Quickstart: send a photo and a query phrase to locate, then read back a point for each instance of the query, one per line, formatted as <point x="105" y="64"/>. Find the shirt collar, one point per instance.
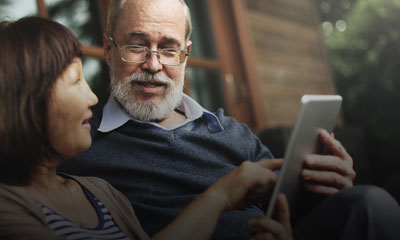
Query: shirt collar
<point x="114" y="116"/>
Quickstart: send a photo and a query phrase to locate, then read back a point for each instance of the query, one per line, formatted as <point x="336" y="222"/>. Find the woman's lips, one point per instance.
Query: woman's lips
<point x="86" y="124"/>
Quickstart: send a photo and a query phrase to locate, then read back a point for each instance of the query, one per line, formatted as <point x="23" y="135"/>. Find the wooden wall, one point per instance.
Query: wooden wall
<point x="290" y="56"/>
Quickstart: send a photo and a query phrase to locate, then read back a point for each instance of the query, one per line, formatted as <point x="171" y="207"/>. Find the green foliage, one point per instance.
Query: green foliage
<point x="366" y="64"/>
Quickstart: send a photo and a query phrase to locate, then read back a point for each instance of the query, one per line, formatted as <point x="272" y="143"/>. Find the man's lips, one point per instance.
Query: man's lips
<point x="150" y="87"/>
<point x="150" y="84"/>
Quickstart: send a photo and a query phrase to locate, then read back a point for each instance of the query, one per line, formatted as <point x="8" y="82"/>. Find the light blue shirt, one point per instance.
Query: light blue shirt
<point x="114" y="116"/>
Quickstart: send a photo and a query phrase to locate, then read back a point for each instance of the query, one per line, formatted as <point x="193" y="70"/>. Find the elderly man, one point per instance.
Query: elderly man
<point x="159" y="146"/>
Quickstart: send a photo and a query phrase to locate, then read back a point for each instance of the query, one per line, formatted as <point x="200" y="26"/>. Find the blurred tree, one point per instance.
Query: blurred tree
<point x="364" y="53"/>
<point x="3" y="4"/>
<point x="334" y="10"/>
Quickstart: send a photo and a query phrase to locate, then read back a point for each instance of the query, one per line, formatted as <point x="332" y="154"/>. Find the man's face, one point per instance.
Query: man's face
<point x="148" y="91"/>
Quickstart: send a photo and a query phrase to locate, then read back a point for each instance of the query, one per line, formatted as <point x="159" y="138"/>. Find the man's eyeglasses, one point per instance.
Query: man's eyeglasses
<point x="139" y="54"/>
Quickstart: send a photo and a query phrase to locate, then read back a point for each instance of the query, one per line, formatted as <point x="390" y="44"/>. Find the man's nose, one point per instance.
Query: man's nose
<point x="152" y="64"/>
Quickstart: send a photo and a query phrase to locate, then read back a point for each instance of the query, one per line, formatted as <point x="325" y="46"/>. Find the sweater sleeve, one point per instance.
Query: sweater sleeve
<point x="21" y="218"/>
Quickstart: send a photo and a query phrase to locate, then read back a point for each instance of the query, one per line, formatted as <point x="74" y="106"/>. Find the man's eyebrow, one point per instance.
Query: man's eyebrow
<point x="137" y="34"/>
<point x="171" y="40"/>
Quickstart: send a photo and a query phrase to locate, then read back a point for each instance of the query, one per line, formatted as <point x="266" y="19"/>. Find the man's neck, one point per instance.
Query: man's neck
<point x="172" y="120"/>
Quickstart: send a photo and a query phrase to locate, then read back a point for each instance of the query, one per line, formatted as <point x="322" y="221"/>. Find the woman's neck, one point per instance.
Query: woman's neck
<point x="62" y="195"/>
<point x="45" y="177"/>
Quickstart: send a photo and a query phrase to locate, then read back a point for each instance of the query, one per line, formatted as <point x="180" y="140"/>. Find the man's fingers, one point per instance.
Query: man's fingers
<point x="334" y="146"/>
<point x="328" y="178"/>
<point x="271" y="164"/>
<point x="329" y="163"/>
<point x="321" y="189"/>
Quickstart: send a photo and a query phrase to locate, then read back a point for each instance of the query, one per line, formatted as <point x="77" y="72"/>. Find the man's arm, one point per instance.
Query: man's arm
<point x="328" y="174"/>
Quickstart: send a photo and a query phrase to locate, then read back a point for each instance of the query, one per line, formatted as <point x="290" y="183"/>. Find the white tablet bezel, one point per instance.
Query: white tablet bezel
<point x="316" y="112"/>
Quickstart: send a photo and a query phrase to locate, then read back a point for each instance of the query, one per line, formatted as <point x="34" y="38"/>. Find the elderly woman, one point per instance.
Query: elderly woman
<point x="44" y="111"/>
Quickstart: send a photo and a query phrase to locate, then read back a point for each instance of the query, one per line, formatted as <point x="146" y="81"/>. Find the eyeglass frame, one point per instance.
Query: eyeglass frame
<point x="186" y="53"/>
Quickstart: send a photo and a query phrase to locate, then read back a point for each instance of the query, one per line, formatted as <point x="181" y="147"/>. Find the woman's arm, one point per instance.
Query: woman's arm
<point x="247" y="184"/>
<point x="21" y="218"/>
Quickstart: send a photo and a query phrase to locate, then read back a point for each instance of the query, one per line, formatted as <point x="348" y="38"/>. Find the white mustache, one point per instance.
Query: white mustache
<point x="154" y="78"/>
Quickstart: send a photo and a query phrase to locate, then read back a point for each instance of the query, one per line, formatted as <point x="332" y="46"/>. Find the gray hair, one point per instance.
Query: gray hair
<point x="116" y="6"/>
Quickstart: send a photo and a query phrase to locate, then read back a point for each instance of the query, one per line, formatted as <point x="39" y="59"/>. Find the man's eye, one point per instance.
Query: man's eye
<point x="136" y="49"/>
<point x="169" y="52"/>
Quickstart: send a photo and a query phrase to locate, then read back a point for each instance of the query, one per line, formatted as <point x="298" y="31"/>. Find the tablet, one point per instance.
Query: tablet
<point x="316" y="112"/>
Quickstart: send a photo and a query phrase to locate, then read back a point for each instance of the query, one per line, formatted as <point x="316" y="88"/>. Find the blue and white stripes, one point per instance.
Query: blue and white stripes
<point x="107" y="229"/>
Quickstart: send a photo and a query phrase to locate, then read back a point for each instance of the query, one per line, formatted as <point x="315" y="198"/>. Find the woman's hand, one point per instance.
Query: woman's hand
<point x="270" y="229"/>
<point x="247" y="184"/>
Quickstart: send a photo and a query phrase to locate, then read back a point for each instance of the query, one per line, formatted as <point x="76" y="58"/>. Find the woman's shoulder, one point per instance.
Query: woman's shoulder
<point x="93" y="184"/>
<point x="101" y="189"/>
<point x="13" y="195"/>
<point x="21" y="216"/>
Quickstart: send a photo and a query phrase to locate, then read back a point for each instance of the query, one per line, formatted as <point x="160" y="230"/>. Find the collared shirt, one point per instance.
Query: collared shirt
<point x="114" y="116"/>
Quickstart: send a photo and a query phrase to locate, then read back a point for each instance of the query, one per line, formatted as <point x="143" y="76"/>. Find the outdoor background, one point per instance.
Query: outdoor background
<point x="359" y="44"/>
<point x="363" y="42"/>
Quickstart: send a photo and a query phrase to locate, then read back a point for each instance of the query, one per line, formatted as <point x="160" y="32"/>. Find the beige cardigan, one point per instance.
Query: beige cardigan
<point x="21" y="217"/>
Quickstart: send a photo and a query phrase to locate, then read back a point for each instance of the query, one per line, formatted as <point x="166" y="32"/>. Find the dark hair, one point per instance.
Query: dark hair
<point x="34" y="52"/>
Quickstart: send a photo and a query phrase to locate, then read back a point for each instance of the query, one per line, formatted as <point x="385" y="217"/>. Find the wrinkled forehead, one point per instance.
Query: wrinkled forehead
<point x="158" y="18"/>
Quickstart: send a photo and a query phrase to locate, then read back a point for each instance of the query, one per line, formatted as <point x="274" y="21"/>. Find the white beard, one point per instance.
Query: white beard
<point x="147" y="111"/>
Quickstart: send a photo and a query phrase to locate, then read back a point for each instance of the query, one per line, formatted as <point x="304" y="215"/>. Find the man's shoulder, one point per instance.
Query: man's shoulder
<point x="228" y="122"/>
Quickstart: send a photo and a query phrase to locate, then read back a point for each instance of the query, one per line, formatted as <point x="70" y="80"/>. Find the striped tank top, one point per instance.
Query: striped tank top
<point x="106" y="229"/>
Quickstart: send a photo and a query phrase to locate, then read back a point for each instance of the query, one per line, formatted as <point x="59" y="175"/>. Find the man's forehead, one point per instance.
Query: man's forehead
<point x="139" y="18"/>
<point x="163" y="10"/>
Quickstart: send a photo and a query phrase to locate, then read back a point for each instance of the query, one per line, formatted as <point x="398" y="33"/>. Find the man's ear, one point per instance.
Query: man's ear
<point x="188" y="47"/>
<point x="107" y="47"/>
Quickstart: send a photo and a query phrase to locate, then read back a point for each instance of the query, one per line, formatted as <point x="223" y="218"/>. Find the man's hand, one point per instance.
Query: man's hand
<point x="328" y="174"/>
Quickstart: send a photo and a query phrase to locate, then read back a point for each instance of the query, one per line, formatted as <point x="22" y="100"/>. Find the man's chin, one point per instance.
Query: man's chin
<point x="148" y="101"/>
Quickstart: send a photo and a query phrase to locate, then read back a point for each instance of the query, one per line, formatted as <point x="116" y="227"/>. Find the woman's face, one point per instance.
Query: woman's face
<point x="69" y="111"/>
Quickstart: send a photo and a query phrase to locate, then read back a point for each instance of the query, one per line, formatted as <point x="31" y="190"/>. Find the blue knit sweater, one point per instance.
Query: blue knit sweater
<point x="162" y="171"/>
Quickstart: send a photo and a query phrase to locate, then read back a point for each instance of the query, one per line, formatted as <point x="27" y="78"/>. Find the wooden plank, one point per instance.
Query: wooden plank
<point x="228" y="45"/>
<point x="42" y="9"/>
<point x="104" y="6"/>
<point x="93" y="51"/>
<point x="249" y="64"/>
<point x="287" y="76"/>
<point x="290" y="55"/>
<point x="275" y="58"/>
<point x="267" y="24"/>
<point x="204" y="63"/>
<point x="292" y="10"/>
